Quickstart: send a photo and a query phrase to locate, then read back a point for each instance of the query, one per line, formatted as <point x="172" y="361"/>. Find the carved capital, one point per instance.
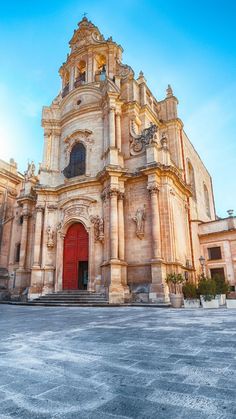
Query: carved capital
<point x="39" y="208"/>
<point x="47" y="132"/>
<point x="121" y="196"/>
<point x="26" y="214"/>
<point x="113" y="192"/>
<point x="52" y="207"/>
<point x="104" y="194"/>
<point x="153" y="188"/>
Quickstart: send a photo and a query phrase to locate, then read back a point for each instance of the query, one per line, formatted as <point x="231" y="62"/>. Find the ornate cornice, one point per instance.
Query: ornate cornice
<point x="170" y="171"/>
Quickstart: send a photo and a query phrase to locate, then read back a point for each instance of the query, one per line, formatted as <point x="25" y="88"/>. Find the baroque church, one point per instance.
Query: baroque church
<point x="121" y="190"/>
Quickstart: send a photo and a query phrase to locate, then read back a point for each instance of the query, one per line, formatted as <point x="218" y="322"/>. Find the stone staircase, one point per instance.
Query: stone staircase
<point x="71" y="298"/>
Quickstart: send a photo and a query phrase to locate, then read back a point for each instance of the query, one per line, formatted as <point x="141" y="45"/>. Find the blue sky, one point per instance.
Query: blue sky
<point x="191" y="45"/>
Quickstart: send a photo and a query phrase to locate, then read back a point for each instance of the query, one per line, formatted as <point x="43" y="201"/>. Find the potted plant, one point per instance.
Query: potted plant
<point x="207" y="291"/>
<point x="174" y="281"/>
<point x="231" y="299"/>
<point x="191" y="299"/>
<point x="221" y="288"/>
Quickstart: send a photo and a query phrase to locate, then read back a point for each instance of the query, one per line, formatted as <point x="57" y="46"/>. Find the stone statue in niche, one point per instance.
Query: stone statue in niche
<point x="50" y="233"/>
<point x="139" y="219"/>
<point x="98" y="228"/>
<point x="139" y="141"/>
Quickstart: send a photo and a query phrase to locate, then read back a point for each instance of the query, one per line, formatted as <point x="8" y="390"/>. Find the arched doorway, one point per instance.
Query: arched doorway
<point x="75" y="258"/>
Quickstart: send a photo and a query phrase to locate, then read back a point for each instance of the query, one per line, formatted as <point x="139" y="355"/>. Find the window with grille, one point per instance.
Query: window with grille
<point x="217" y="272"/>
<point x="214" y="253"/>
<point x="76" y="166"/>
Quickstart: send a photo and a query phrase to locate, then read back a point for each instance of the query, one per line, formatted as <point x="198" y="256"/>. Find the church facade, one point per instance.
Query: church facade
<point x="121" y="191"/>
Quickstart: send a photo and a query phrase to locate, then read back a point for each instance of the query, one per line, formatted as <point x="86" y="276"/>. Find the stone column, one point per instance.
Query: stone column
<point x="59" y="261"/>
<point x="90" y="76"/>
<point x="47" y="149"/>
<point x="118" y="131"/>
<point x="156" y="236"/>
<point x="38" y="235"/>
<point x="112" y="136"/>
<point x="13" y="243"/>
<point x="72" y="78"/>
<point x="113" y="224"/>
<point x="23" y="244"/>
<point x="121" y="227"/>
<point x="54" y="157"/>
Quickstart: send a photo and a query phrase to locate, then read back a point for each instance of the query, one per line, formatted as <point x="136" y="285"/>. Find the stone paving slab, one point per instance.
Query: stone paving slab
<point x="125" y="362"/>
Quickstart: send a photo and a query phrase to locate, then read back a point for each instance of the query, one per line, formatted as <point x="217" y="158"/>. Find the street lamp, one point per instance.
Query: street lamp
<point x="202" y="263"/>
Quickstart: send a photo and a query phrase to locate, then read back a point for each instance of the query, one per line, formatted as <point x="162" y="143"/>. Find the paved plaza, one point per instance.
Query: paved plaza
<point x="127" y="362"/>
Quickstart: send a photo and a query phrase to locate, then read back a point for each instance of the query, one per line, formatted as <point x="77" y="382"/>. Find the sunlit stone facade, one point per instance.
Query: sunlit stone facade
<point x="117" y="161"/>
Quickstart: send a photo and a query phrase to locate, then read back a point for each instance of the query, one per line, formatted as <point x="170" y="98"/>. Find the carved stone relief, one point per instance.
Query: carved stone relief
<point x="98" y="228"/>
<point x="76" y="211"/>
<point x="138" y="142"/>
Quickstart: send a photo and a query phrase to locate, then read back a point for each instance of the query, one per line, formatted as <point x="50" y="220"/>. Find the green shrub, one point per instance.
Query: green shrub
<point x="174" y="280"/>
<point x="221" y="285"/>
<point x="207" y="288"/>
<point x="190" y="290"/>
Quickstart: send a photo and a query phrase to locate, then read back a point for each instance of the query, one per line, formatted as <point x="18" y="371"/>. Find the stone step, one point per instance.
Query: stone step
<point x="72" y="297"/>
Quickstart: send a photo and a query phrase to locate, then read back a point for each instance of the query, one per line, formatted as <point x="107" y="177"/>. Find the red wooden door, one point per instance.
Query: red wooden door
<point x="75" y="250"/>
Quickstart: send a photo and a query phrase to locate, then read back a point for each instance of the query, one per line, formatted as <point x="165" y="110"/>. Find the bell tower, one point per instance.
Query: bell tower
<point x="91" y="59"/>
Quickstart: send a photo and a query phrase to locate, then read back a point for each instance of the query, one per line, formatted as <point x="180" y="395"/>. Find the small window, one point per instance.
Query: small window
<point x="214" y="253"/>
<point x="191" y="177"/>
<point x="217" y="272"/>
<point x="207" y="200"/>
<point x="76" y="166"/>
<point x="17" y="258"/>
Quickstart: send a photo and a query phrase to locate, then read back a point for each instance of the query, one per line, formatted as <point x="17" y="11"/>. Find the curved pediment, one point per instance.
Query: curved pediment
<point x="81" y="200"/>
<point x="86" y="34"/>
<point x="82" y="97"/>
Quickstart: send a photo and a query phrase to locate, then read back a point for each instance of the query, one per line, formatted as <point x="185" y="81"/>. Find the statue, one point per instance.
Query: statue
<point x="50" y="233"/>
<point x="98" y="228"/>
<point x="139" y="220"/>
<point x="30" y="172"/>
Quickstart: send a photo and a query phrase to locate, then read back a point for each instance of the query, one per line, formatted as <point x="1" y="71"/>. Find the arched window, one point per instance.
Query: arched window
<point x="76" y="166"/>
<point x="191" y="177"/>
<point x="207" y="200"/>
<point x="80" y="73"/>
<point x="100" y="67"/>
<point x="66" y="79"/>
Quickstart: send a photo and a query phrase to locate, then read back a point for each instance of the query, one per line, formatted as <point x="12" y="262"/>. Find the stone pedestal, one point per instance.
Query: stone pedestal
<point x="152" y="153"/>
<point x="36" y="286"/>
<point x="158" y="289"/>
<point x="22" y="279"/>
<point x="113" y="156"/>
<point x="117" y="291"/>
<point x="48" y="283"/>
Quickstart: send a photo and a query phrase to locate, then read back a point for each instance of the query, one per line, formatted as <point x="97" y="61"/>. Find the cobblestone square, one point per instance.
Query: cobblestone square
<point x="125" y="362"/>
